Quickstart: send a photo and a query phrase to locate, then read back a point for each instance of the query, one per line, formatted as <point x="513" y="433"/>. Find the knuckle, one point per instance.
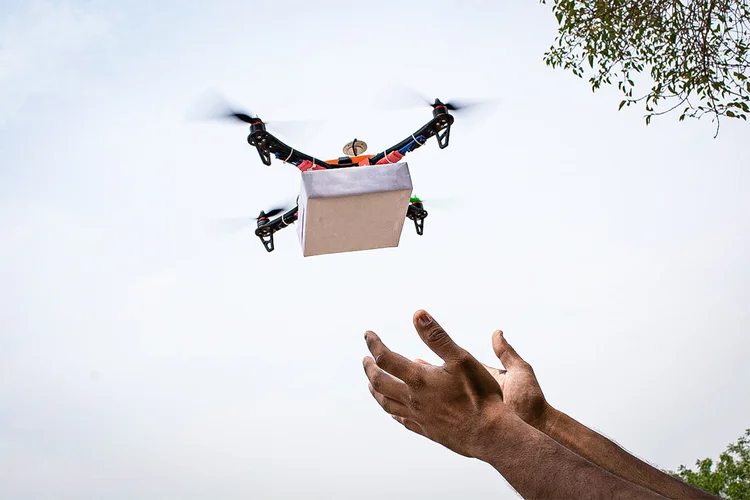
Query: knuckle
<point x="435" y="334"/>
<point x="416" y="381"/>
<point x="465" y="360"/>
<point x="381" y="358"/>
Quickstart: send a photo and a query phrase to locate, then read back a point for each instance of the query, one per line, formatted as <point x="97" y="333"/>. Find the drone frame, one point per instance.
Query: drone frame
<point x="267" y="145"/>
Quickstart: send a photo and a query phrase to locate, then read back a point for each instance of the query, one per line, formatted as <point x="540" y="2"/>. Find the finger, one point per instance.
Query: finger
<point x="436" y="338"/>
<point x="389" y="405"/>
<point x="409" y="424"/>
<point x="422" y="362"/>
<point x="384" y="383"/>
<point x="393" y="363"/>
<point x="455" y="357"/>
<point x="504" y="352"/>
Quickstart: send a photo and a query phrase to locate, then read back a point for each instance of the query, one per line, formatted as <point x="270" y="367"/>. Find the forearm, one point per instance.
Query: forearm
<point x="609" y="456"/>
<point x="538" y="467"/>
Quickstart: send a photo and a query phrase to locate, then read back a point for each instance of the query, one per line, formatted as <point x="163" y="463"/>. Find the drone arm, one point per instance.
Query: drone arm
<point x="267" y="145"/>
<point x="418" y="139"/>
<point x="396" y="155"/>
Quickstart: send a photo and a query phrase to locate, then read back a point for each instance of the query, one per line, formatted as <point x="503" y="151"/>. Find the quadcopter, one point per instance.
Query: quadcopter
<point x="268" y="146"/>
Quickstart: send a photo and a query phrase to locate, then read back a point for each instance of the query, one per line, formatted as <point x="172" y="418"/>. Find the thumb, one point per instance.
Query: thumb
<point x="504" y="351"/>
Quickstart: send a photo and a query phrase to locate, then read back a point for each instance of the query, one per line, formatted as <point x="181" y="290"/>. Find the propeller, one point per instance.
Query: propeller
<point x="214" y="106"/>
<point x="228" y="225"/>
<point x="404" y="97"/>
<point x="461" y="105"/>
<point x="271" y="213"/>
<point x="243" y="117"/>
<point x="440" y="202"/>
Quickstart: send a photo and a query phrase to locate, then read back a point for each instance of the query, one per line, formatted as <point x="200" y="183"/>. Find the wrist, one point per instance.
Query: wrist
<point x="500" y="434"/>
<point x="547" y="421"/>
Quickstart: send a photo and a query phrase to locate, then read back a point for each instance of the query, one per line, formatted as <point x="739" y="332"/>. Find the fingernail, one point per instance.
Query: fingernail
<point x="424" y="319"/>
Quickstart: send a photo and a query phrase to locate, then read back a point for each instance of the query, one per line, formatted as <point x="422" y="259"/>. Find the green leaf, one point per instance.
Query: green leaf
<point x="726" y="478"/>
<point x="685" y="50"/>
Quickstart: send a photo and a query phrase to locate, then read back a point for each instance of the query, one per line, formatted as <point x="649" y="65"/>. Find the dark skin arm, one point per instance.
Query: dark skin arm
<point x="460" y="405"/>
<point x="522" y="393"/>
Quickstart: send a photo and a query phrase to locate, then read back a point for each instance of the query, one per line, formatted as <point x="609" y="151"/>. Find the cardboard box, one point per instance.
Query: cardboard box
<point x="353" y="209"/>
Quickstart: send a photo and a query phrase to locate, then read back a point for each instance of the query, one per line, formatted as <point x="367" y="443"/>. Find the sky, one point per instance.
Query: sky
<point x="144" y="354"/>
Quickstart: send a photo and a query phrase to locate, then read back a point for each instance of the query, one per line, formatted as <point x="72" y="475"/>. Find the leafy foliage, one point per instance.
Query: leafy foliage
<point x="695" y="51"/>
<point x="730" y="479"/>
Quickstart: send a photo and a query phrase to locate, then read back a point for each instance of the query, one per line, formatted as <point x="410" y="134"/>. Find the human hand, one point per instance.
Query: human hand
<point x="454" y="404"/>
<point x="519" y="385"/>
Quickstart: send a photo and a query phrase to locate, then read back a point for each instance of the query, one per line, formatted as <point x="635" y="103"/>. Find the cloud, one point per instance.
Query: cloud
<point x="42" y="48"/>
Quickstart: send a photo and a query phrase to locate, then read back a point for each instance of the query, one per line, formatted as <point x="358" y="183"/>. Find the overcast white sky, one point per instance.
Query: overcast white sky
<point x="143" y="355"/>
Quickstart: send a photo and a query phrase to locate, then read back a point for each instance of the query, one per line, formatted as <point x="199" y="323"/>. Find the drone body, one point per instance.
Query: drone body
<point x="268" y="147"/>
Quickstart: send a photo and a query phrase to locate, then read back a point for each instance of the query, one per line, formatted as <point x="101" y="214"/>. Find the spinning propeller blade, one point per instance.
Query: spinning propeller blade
<point x="214" y="106"/>
<point x="441" y="202"/>
<point x="229" y="225"/>
<point x="243" y="117"/>
<point x="274" y="212"/>
<point x="404" y="97"/>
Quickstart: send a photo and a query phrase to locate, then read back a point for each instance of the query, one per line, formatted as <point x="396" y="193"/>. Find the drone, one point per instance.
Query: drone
<point x="268" y="147"/>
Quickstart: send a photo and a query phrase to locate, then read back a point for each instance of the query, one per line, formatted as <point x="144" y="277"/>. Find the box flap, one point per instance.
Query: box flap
<point x="352" y="181"/>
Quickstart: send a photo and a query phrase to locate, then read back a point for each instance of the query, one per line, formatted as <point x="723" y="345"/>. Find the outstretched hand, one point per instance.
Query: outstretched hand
<point x="518" y="383"/>
<point x="453" y="404"/>
<point x="521" y="390"/>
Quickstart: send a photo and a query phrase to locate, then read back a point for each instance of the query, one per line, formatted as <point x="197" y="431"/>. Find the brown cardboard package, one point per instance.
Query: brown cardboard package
<point x="353" y="209"/>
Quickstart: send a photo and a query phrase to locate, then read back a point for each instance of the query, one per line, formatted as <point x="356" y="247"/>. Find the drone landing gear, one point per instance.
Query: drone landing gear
<point x="267" y="227"/>
<point x="443" y="137"/>
<point x="265" y="155"/>
<point x="417" y="213"/>
<point x="419" y="224"/>
<point x="266" y="237"/>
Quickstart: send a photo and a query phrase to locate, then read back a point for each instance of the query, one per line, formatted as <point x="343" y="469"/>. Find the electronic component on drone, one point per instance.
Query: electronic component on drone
<point x="417" y="213"/>
<point x="355" y="148"/>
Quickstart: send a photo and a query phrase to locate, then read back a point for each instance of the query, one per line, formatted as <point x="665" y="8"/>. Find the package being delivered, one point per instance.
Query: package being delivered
<point x="353" y="208"/>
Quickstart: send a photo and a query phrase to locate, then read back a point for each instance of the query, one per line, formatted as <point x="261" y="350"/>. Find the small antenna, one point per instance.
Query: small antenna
<point x="355" y="148"/>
